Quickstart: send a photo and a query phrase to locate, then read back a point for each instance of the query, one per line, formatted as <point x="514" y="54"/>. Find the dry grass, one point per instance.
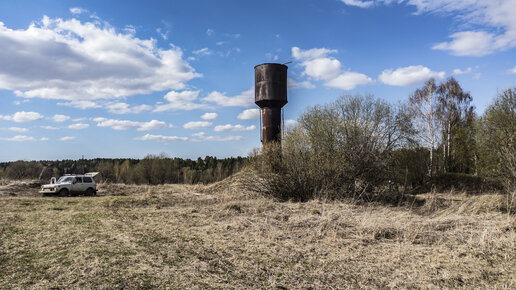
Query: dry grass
<point x="223" y="236"/>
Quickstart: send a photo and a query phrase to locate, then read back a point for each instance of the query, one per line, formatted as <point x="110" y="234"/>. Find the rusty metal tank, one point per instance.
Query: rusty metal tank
<point x="270" y="94"/>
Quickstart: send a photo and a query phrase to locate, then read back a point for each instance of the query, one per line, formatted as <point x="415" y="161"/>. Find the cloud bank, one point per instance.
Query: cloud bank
<point x="491" y="24"/>
<point x="73" y="60"/>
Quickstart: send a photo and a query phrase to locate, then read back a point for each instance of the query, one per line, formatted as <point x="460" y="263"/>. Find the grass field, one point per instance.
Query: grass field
<point x="222" y="236"/>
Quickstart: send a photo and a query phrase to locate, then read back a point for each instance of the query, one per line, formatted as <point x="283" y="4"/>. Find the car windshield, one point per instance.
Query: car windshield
<point x="64" y="179"/>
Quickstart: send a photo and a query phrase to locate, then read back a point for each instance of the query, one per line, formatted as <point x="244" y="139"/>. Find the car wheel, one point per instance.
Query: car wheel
<point x="63" y="192"/>
<point x="90" y="192"/>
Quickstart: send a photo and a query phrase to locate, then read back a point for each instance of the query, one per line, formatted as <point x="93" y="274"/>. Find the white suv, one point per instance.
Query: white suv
<point x="74" y="184"/>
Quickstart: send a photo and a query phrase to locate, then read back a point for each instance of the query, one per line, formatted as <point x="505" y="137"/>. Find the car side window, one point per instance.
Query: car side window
<point x="87" y="180"/>
<point x="78" y="179"/>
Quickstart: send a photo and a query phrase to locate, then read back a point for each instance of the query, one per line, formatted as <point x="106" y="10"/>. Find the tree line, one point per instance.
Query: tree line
<point x="153" y="169"/>
<point x="363" y="146"/>
<point x="355" y="146"/>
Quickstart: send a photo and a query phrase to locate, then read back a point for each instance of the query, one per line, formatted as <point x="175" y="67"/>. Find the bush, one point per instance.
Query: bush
<point x="499" y="142"/>
<point x="338" y="150"/>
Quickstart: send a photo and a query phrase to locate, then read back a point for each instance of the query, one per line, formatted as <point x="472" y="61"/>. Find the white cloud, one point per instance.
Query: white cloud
<point x="348" y="81"/>
<point x="124" y="108"/>
<point x="18" y="129"/>
<point x="408" y="76"/>
<point x="229" y="127"/>
<point x="488" y="14"/>
<point x="20" y="102"/>
<point x="184" y="100"/>
<point x="201" y="136"/>
<point x="222" y="138"/>
<point x="322" y="68"/>
<point x="195" y="125"/>
<point x="468" y="43"/>
<point x="318" y="66"/>
<point x="17" y="103"/>
<point x="512" y="70"/>
<point x="161" y="138"/>
<point x="203" y="51"/>
<point x="249" y="114"/>
<point x="293" y="84"/>
<point x="313" y="53"/>
<point x="130" y="29"/>
<point x="127" y="124"/>
<point x="459" y="71"/>
<point x="245" y="99"/>
<point x="22" y="117"/>
<point x="49" y="128"/>
<point x="19" y="138"/>
<point x="43" y="139"/>
<point x="78" y="126"/>
<point x="198" y="137"/>
<point x="113" y="107"/>
<point x="67" y="138"/>
<point x="152" y="125"/>
<point x="80" y="104"/>
<point x="209" y="116"/>
<point x="290" y="123"/>
<point x="494" y="22"/>
<point x="358" y="3"/>
<point x="163" y="35"/>
<point x="116" y="124"/>
<point x="316" y="63"/>
<point x="60" y="118"/>
<point x="210" y="32"/>
<point x="77" y="10"/>
<point x="71" y="60"/>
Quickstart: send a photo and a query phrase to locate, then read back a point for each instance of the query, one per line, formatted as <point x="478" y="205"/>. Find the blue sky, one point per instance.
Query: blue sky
<point x="130" y="78"/>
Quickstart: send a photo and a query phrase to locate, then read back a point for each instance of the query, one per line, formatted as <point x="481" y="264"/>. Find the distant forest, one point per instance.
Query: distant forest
<point x="153" y="169"/>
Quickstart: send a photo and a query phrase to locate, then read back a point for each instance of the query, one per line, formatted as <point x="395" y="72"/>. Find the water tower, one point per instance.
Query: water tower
<point x="270" y="94"/>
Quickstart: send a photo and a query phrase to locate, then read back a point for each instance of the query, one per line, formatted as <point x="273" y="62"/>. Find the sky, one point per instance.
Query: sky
<point x="123" y="79"/>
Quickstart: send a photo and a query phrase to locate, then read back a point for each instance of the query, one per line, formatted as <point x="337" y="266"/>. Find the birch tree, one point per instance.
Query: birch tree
<point x="454" y="105"/>
<point x="423" y="105"/>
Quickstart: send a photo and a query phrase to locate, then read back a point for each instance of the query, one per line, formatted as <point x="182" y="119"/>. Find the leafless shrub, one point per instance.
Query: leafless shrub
<point x="339" y="150"/>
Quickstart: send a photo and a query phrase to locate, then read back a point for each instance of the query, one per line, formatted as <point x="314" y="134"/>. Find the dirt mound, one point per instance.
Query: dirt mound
<point x="20" y="187"/>
<point x="245" y="180"/>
